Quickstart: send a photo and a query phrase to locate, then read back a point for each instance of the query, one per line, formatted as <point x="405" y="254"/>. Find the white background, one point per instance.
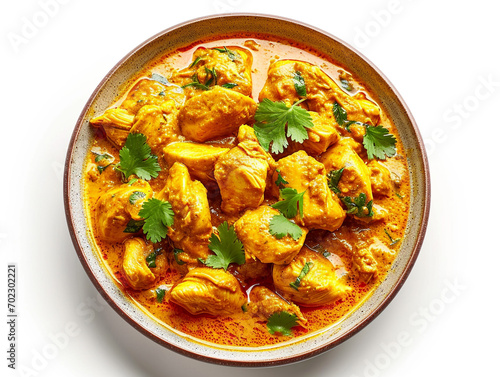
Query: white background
<point x="443" y="57"/>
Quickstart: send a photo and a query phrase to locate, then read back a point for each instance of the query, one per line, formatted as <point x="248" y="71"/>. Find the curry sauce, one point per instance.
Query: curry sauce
<point x="215" y="171"/>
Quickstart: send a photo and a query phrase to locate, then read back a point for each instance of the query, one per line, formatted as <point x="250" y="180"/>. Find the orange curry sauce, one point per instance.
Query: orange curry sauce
<point x="244" y="330"/>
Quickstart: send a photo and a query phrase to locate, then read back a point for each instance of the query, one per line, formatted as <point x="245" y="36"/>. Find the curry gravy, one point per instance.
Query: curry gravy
<point x="243" y="330"/>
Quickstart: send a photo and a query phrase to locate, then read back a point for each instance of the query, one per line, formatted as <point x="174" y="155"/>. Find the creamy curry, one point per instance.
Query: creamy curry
<point x="246" y="190"/>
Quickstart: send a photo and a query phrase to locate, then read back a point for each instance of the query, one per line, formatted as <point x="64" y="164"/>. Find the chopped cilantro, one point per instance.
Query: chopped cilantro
<point x="280" y="181"/>
<point x="280" y="226"/>
<point x="292" y="201"/>
<point x="160" y="294"/>
<point x="176" y="256"/>
<point x="229" y="85"/>
<point x="158" y="216"/>
<point x="136" y="158"/>
<point x="299" y="84"/>
<point x="151" y="259"/>
<point x="227" y="248"/>
<point x="135" y="196"/>
<point x="133" y="226"/>
<point x="233" y="55"/>
<point x="305" y="270"/>
<point x="334" y="179"/>
<point x="358" y="206"/>
<point x="393" y="241"/>
<point x="276" y="121"/>
<point x="282" y="322"/>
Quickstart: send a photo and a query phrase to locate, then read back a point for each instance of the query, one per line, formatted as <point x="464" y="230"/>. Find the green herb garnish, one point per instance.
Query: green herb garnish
<point x="136" y="158"/>
<point x="158" y="216"/>
<point x="226" y="246"/>
<point x="305" y="270"/>
<point x="280" y="226"/>
<point x="282" y="322"/>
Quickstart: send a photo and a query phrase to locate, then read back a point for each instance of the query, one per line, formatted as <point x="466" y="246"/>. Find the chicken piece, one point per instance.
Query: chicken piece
<point x="253" y="231"/>
<point x="232" y="67"/>
<point x="242" y="173"/>
<point x="264" y="303"/>
<point x="160" y="128"/>
<point x="381" y="252"/>
<point x="116" y="123"/>
<point x="253" y="269"/>
<point x="355" y="177"/>
<point x="364" y="264"/>
<point x="117" y="207"/>
<point x="199" y="159"/>
<point x="321" y="136"/>
<point x="309" y="280"/>
<point x="192" y="220"/>
<point x="151" y="92"/>
<point x="211" y="291"/>
<point x="134" y="265"/>
<point x="322" y="91"/>
<point x="322" y="209"/>
<point x="215" y="114"/>
<point x="380" y="179"/>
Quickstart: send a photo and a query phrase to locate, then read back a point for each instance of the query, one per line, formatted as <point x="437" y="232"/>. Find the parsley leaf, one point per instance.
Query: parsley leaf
<point x="378" y="142"/>
<point x="136" y="158"/>
<point x="305" y="270"/>
<point x="291" y="200"/>
<point x="280" y="226"/>
<point x="299" y="84"/>
<point x="334" y="179"/>
<point x="158" y="216"/>
<point x="358" y="206"/>
<point x="282" y="322"/>
<point x="273" y="118"/>
<point x="227" y="248"/>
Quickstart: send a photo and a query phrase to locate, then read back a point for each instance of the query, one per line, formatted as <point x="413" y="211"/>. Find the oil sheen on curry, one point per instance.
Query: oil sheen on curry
<point x="246" y="191"/>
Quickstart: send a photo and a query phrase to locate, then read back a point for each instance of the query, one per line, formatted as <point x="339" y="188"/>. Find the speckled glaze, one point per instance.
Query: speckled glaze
<point x="185" y="34"/>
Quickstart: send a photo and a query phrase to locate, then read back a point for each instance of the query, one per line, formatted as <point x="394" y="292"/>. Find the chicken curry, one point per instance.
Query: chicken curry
<point x="246" y="190"/>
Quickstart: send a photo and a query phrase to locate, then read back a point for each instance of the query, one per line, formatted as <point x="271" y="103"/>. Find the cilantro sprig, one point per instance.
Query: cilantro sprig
<point x="158" y="215"/>
<point x="299" y="84"/>
<point x="291" y="203"/>
<point x="378" y="141"/>
<point x="305" y="270"/>
<point x="226" y="246"/>
<point x="282" y="322"/>
<point x="280" y="226"/>
<point x="356" y="206"/>
<point x="275" y="122"/>
<point x="136" y="158"/>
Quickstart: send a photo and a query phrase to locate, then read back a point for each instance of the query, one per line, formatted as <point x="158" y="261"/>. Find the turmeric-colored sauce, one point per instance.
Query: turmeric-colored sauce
<point x="381" y="236"/>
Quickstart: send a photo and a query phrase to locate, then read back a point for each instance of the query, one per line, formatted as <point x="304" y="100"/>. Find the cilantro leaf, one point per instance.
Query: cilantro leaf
<point x="280" y="181"/>
<point x="291" y="201"/>
<point x="378" y="142"/>
<point x="358" y="206"/>
<point x="305" y="270"/>
<point x="280" y="226"/>
<point x="135" y="196"/>
<point x="393" y="241"/>
<point x="299" y="84"/>
<point x="133" y="226"/>
<point x="233" y="55"/>
<point x="151" y="260"/>
<point x="136" y="158"/>
<point x="334" y="179"/>
<point x="158" y="216"/>
<point x="281" y="322"/>
<point x="227" y="248"/>
<point x="229" y="85"/>
<point x="275" y="121"/>
<point x="176" y="257"/>
<point x="160" y="294"/>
